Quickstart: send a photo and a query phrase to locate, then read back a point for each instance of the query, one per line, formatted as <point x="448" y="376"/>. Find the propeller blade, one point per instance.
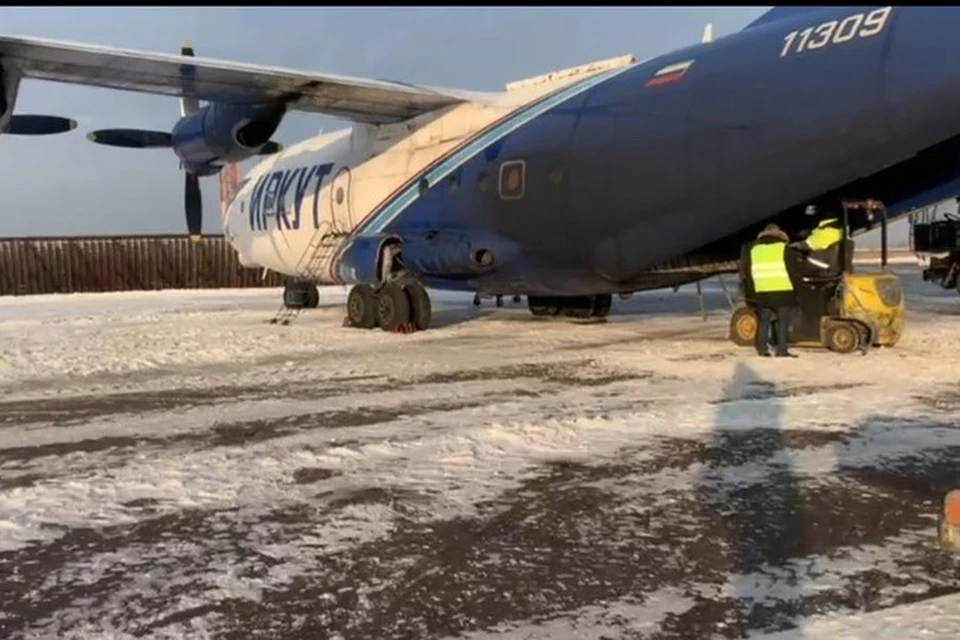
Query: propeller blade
<point x="193" y="205"/>
<point x="270" y="148"/>
<point x="29" y="125"/>
<point x="132" y="138"/>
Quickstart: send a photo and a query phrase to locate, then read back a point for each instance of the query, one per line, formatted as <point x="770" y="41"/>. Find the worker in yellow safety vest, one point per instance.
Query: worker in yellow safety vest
<point x="823" y="247"/>
<point x="769" y="268"/>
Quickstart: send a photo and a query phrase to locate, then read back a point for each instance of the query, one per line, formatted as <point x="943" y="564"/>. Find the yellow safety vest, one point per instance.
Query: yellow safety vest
<point x="769" y="269"/>
<point x="823" y="236"/>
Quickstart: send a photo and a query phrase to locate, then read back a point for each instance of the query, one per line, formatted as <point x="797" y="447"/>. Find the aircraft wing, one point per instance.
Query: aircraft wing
<point x="356" y="99"/>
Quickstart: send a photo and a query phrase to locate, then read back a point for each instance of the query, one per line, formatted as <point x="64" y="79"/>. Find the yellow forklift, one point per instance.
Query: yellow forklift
<point x="845" y="313"/>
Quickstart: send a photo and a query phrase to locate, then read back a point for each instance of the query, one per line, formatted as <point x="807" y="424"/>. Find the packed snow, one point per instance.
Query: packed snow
<point x="173" y="465"/>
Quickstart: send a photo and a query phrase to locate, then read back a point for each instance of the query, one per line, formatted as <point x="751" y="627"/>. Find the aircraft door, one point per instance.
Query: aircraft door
<point x="341" y="214"/>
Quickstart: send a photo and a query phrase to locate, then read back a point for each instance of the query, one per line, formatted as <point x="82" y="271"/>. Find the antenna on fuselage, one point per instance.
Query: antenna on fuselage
<point x="707" y="33"/>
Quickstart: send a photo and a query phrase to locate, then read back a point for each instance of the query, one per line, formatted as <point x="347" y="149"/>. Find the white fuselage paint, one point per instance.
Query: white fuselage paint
<point x="367" y="165"/>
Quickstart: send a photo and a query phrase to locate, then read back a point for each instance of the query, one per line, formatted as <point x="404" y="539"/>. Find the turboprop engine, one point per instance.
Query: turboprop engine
<point x="205" y="139"/>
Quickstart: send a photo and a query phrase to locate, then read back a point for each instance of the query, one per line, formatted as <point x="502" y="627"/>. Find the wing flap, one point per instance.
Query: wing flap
<point x="356" y="99"/>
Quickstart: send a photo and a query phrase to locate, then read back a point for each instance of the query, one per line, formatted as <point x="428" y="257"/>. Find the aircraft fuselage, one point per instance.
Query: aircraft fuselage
<point x="587" y="187"/>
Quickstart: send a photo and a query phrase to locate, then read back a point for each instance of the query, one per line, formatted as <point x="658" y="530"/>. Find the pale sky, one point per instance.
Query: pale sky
<point x="65" y="185"/>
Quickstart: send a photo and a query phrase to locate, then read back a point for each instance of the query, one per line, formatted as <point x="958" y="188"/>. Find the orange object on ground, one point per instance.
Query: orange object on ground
<point x="950" y="521"/>
<point x="951" y="508"/>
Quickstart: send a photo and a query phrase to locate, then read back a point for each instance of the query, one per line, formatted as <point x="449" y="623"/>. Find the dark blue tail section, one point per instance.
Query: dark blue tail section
<point x="781" y="13"/>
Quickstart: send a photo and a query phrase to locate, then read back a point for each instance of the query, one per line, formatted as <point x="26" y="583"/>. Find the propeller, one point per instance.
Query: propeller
<point x="146" y="139"/>
<point x="30" y="125"/>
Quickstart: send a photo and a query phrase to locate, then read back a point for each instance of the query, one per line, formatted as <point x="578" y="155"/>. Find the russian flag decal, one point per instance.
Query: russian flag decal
<point x="669" y="74"/>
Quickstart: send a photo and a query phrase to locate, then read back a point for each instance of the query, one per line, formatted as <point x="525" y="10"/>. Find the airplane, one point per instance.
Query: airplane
<point x="609" y="178"/>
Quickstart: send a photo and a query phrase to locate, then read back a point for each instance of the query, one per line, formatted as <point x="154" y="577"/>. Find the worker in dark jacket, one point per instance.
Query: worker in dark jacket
<point x="769" y="269"/>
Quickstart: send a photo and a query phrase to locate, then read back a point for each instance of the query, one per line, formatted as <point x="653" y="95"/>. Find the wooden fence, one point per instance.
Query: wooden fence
<point x="123" y="263"/>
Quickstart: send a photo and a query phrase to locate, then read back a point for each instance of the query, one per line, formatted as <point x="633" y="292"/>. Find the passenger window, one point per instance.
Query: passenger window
<point x="512" y="179"/>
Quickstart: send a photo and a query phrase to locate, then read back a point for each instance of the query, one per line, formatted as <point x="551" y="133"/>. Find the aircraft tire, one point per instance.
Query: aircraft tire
<point x="312" y="297"/>
<point x="542" y="306"/>
<point x="393" y="307"/>
<point x="420" y="311"/>
<point x="601" y="305"/>
<point x="294" y="296"/>
<point x="579" y="307"/>
<point x="362" y="307"/>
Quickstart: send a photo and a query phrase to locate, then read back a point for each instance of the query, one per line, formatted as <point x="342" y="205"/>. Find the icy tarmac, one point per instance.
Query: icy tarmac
<point x="172" y="466"/>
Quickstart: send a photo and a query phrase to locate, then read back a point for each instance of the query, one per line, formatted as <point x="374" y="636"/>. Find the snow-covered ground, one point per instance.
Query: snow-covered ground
<point x="171" y="465"/>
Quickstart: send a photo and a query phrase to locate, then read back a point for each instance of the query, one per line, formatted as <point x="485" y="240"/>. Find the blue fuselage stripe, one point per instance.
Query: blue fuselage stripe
<point x="462" y="155"/>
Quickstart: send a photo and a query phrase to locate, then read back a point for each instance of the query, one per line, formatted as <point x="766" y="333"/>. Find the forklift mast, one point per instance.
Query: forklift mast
<point x="872" y="209"/>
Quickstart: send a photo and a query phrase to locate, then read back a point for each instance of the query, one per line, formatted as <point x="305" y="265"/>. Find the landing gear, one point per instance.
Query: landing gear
<point x="362" y="307"/>
<point x="543" y="306"/>
<point x="300" y="295"/>
<point x="420" y="311"/>
<point x="397" y="306"/>
<point x="393" y="307"/>
<point x="597" y="306"/>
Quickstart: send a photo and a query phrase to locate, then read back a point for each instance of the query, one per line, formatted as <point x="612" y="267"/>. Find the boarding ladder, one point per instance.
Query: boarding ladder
<point x="323" y="244"/>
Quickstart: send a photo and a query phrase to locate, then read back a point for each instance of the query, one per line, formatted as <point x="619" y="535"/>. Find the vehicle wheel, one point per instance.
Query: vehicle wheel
<point x="842" y="337"/>
<point x="542" y="306"/>
<point x="866" y="337"/>
<point x="312" y="296"/>
<point x="743" y="327"/>
<point x="420" y="312"/>
<point x="393" y="307"/>
<point x="362" y="307"/>
<point x="601" y="305"/>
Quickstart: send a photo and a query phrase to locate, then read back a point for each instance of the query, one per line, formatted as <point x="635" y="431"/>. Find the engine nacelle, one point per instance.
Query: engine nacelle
<point x="220" y="133"/>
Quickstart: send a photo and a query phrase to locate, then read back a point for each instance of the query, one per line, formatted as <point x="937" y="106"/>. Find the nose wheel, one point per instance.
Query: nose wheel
<point x="396" y="307"/>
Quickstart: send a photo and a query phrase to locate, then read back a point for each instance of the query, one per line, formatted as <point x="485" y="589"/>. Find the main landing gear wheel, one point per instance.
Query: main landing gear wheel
<point x="362" y="307"/>
<point x="542" y="306"/>
<point x="420" y="311"/>
<point x="601" y="305"/>
<point x="743" y="327"/>
<point x="393" y="307"/>
<point x="398" y="307"/>
<point x="581" y="307"/>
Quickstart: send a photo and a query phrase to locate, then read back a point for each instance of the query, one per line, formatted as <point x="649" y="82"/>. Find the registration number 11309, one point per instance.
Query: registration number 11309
<point x="859" y="25"/>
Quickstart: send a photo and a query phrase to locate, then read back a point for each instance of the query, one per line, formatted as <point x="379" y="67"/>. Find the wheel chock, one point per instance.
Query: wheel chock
<point x="406" y="327"/>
